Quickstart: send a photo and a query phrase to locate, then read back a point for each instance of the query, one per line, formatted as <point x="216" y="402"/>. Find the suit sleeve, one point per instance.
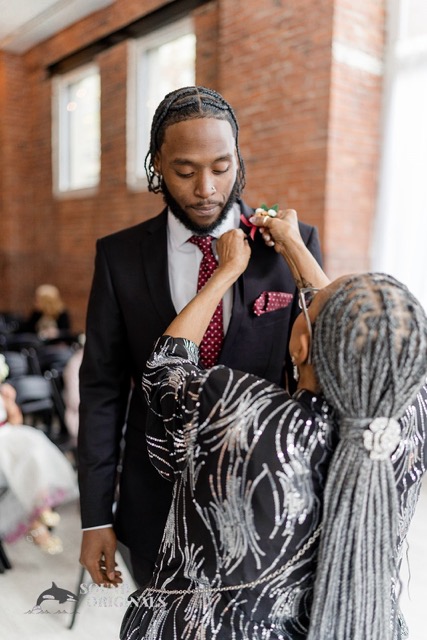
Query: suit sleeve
<point x="104" y="394"/>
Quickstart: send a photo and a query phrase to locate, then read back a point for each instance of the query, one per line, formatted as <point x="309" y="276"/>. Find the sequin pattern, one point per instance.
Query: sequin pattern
<point x="249" y="465"/>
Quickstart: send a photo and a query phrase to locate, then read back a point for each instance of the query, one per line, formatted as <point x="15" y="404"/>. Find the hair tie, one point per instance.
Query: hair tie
<point x="353" y="428"/>
<point x="381" y="438"/>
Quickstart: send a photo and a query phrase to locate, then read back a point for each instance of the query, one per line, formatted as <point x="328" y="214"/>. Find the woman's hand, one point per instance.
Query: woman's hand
<point x="233" y="256"/>
<point x="280" y="232"/>
<point x="233" y="252"/>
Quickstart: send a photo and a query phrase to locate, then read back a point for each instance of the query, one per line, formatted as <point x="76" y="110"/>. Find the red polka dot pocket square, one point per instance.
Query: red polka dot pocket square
<point x="271" y="301"/>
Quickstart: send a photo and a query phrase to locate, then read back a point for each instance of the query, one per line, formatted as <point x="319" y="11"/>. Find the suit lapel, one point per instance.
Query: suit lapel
<point x="240" y="302"/>
<point x="155" y="265"/>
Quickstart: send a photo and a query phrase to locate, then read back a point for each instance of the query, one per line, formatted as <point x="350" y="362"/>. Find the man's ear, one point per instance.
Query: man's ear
<point x="157" y="164"/>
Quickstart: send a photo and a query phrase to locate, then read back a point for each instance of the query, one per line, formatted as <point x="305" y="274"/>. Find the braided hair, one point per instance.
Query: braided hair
<point x="189" y="103"/>
<point x="370" y="358"/>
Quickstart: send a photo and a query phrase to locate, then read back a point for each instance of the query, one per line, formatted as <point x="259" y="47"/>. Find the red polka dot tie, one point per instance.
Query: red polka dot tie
<point x="211" y="344"/>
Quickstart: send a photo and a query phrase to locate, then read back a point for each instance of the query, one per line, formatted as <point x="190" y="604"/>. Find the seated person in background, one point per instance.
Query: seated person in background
<point x="288" y="513"/>
<point x="49" y="316"/>
<point x="34" y="477"/>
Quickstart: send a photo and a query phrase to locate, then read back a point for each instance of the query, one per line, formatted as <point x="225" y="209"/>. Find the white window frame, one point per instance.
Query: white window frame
<point x="139" y="117"/>
<point x="61" y="149"/>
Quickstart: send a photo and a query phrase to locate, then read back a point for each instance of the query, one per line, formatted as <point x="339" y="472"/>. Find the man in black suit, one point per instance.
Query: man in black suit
<point x="143" y="276"/>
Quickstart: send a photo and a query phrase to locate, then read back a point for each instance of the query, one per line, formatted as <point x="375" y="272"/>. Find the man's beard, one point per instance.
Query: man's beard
<point x="182" y="216"/>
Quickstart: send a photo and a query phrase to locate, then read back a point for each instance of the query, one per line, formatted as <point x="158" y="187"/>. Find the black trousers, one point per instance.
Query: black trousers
<point x="141" y="568"/>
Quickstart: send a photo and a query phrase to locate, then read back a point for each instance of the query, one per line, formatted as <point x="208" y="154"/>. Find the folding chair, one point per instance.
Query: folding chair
<point x="17" y="363"/>
<point x="34" y="398"/>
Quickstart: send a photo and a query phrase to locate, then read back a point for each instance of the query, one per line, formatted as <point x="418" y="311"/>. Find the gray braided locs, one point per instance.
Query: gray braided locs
<point x="189" y="103"/>
<point x="370" y="358"/>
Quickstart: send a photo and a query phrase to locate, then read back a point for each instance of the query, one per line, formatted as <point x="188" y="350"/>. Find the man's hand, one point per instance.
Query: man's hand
<point x="97" y="555"/>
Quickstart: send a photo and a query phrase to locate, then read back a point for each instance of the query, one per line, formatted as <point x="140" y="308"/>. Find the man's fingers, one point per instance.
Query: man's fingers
<point x="109" y="569"/>
<point x="95" y="573"/>
<point x="102" y="576"/>
<point x="98" y="556"/>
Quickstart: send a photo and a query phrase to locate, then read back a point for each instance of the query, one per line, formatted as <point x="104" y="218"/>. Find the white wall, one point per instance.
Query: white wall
<point x="400" y="238"/>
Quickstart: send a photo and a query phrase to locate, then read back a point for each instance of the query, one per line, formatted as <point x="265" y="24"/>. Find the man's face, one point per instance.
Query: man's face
<point x="198" y="165"/>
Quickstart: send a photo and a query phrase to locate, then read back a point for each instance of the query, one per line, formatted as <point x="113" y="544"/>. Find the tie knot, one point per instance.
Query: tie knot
<point x="203" y="242"/>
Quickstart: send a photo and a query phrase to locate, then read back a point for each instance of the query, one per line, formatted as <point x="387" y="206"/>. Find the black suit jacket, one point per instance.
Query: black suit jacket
<point x="130" y="306"/>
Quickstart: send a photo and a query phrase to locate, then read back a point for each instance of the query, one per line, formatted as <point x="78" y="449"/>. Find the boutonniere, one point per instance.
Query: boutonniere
<point x="265" y="211"/>
<point x="268" y="211"/>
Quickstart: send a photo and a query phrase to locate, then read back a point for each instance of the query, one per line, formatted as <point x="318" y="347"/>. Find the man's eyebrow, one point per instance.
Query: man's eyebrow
<point x="185" y="161"/>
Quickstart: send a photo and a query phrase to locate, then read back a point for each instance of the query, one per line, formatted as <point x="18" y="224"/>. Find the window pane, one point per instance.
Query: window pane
<point x="169" y="67"/>
<point x="78" y="133"/>
<point x="165" y="60"/>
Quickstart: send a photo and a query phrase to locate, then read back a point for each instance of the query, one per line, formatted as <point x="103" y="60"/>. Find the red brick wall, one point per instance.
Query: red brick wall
<point x="353" y="135"/>
<point x="275" y="70"/>
<point x="16" y="190"/>
<point x="309" y="134"/>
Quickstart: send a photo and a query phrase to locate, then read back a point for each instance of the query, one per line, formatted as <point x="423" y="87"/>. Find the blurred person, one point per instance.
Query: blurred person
<point x="49" y="316"/>
<point x="34" y="477"/>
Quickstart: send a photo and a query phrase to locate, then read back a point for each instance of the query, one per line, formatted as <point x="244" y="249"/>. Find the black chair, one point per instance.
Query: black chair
<point x="35" y="399"/>
<point x="4" y="560"/>
<point x="25" y="343"/>
<point x="65" y="337"/>
<point x="52" y="360"/>
<point x="39" y="388"/>
<point x="18" y="363"/>
<point x="53" y="356"/>
<point x="19" y="341"/>
<point x="10" y="322"/>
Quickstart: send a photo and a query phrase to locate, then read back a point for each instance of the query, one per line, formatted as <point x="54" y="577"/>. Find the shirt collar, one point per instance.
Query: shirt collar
<point x="179" y="234"/>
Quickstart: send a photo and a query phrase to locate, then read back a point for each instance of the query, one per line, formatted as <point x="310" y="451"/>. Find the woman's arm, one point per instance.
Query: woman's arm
<point x="283" y="234"/>
<point x="234" y="253"/>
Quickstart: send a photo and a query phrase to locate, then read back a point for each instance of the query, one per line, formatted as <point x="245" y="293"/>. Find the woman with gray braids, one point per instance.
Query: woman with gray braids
<point x="369" y="355"/>
<point x="288" y="513"/>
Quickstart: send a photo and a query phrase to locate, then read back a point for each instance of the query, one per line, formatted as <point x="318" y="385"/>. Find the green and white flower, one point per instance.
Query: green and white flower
<point x="269" y="211"/>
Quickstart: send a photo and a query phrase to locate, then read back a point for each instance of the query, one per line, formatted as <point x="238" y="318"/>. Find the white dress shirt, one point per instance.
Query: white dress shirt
<point x="184" y="260"/>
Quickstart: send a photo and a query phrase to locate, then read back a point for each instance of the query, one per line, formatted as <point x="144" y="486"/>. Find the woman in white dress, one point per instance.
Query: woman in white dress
<point x="34" y="477"/>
